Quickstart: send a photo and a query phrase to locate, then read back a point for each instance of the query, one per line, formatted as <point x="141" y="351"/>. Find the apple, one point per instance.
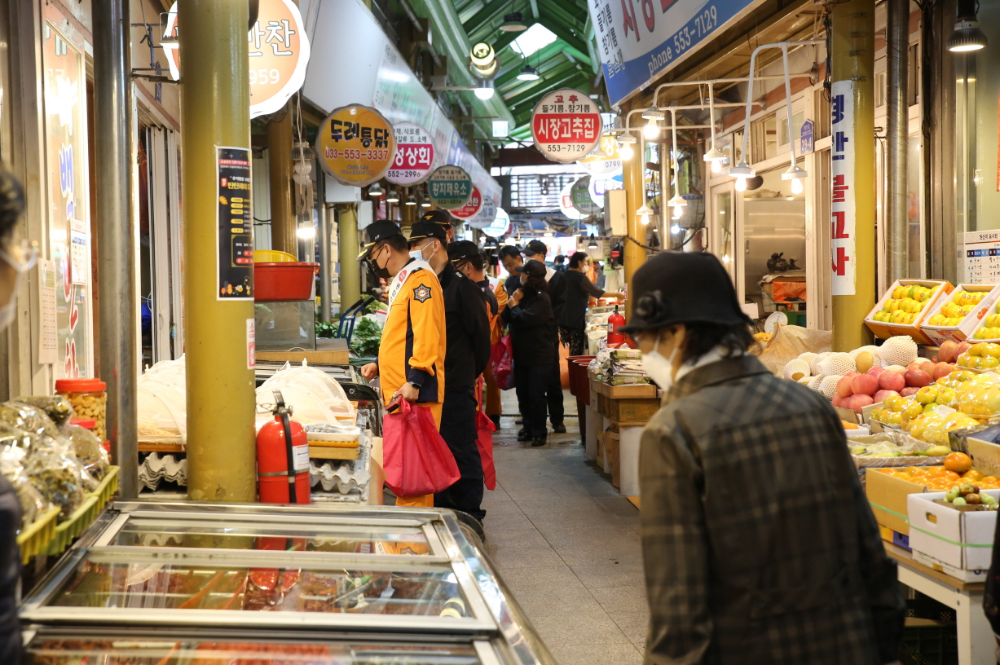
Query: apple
<point x="838" y="401"/>
<point x="927" y="366"/>
<point x="858" y="402"/>
<point x="906" y="392"/>
<point x="891" y="380"/>
<point x="863" y="385"/>
<point x="962" y="348"/>
<point x="875" y="371"/>
<point x="844" y="387"/>
<point x="917" y="378"/>
<point x="942" y="370"/>
<point x="851" y="374"/>
<point x="883" y="395"/>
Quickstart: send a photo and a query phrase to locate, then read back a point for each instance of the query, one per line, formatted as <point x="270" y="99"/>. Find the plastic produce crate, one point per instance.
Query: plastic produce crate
<point x="36" y="538"/>
<point x="106" y="489"/>
<point x="68" y="531"/>
<point x="929" y="645"/>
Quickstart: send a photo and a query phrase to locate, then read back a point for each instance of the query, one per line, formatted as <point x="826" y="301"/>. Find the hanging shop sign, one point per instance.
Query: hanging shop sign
<point x="843" y="207"/>
<point x="356" y="145"/>
<point x="450" y="187"/>
<point x="566" y="125"/>
<point x="637" y="41"/>
<point x="581" y="198"/>
<point x="566" y="203"/>
<point x="806" y="141"/>
<point x="605" y="160"/>
<point x="471" y="207"/>
<point x="600" y="185"/>
<point x="486" y="215"/>
<point x="234" y="224"/>
<point x="414" y="155"/>
<point x="278" y="49"/>
<point x="499" y="225"/>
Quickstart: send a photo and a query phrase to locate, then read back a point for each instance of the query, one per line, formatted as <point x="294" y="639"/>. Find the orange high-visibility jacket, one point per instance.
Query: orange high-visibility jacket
<point x="414" y="341"/>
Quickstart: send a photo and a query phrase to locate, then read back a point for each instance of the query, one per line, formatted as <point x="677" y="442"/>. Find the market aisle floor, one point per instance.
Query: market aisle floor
<point x="567" y="544"/>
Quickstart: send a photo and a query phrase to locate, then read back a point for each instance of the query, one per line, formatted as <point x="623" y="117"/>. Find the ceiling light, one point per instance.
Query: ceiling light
<point x="425" y="203"/>
<point x="528" y="73"/>
<point x="676" y="228"/>
<point x="392" y="197"/>
<point x="717" y="165"/>
<point x="652" y="113"/>
<point x="651" y="130"/>
<point x="643" y="213"/>
<point x="593" y="242"/>
<point x="678" y="212"/>
<point x="714" y="155"/>
<point x="484" y="90"/>
<point x="625" y="143"/>
<point x="677" y="201"/>
<point x="375" y="191"/>
<point x="797" y="187"/>
<point x="741" y="183"/>
<point x="967" y="35"/>
<point x="741" y="170"/>
<point x="513" y="22"/>
<point x="411" y="200"/>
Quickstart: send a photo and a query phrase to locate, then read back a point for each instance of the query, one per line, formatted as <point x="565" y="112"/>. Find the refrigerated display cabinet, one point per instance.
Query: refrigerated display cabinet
<point x="319" y="575"/>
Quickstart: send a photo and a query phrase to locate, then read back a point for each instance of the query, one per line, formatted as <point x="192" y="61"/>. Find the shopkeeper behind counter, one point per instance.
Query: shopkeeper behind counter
<point x="579" y="291"/>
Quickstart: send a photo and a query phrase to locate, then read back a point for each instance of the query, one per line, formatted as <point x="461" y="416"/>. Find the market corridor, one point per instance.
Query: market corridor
<point x="567" y="544"/>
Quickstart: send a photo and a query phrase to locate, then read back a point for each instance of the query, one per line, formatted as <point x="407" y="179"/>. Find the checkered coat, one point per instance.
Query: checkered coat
<point x="758" y="542"/>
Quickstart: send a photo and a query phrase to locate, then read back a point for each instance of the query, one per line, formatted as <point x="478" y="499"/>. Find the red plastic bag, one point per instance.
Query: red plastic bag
<point x="502" y="363"/>
<point x="416" y="459"/>
<point x="484" y="441"/>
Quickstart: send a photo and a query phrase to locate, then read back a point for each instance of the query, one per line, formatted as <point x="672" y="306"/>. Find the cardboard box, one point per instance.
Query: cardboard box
<point x="985" y="456"/>
<point x="994" y="308"/>
<point x="941" y="536"/>
<point x="886" y="330"/>
<point x="612" y="455"/>
<point x="973" y="320"/>
<point x="888" y="496"/>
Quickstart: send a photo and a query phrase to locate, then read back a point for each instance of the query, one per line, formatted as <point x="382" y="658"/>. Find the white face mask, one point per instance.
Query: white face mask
<point x="660" y="369"/>
<point x="418" y="254"/>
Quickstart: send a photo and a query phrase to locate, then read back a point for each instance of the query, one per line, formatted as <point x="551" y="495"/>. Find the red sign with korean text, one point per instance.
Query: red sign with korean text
<point x="414" y="155"/>
<point x="472" y="207"/>
<point x="566" y="125"/>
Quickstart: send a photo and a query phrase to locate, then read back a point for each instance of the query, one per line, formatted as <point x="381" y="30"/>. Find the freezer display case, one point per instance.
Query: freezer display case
<point x="295" y="572"/>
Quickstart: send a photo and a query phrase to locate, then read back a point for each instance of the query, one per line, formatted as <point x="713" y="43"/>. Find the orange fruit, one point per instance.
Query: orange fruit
<point x="959" y="462"/>
<point x="971" y="475"/>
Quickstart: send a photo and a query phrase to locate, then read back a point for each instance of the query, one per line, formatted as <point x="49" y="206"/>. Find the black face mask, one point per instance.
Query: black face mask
<point x="382" y="273"/>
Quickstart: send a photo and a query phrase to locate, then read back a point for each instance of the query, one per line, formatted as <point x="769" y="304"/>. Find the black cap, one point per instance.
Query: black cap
<point x="376" y="231"/>
<point x="437" y="217"/>
<point x="422" y="229"/>
<point x="535" y="247"/>
<point x="462" y="250"/>
<point x="532" y="269"/>
<point x="682" y="287"/>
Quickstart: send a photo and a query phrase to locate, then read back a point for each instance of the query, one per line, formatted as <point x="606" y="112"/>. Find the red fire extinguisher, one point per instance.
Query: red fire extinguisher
<point x="615" y="321"/>
<point x="283" y="458"/>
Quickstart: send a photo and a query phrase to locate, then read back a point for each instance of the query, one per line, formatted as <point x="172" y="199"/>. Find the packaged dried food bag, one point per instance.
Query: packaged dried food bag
<point x="415" y="458"/>
<point x="33" y="504"/>
<point x="29" y="418"/>
<point x="89" y="451"/>
<point x="56" y="407"/>
<point x="56" y="473"/>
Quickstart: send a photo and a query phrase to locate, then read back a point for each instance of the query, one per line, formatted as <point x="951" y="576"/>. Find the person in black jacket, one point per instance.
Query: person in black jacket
<point x="468" y="353"/>
<point x="579" y="291"/>
<point x="532" y="326"/>
<point x="15" y="260"/>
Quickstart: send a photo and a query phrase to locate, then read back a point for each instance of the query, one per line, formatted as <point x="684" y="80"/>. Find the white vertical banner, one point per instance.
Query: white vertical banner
<point x="843" y="208"/>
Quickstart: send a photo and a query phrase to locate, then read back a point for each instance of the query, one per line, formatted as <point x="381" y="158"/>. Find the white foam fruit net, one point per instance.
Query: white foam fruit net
<point x="815" y="382"/>
<point x="869" y="348"/>
<point x="796" y="369"/>
<point x="829" y="386"/>
<point x="814" y="367"/>
<point x="161" y="400"/>
<point x="315" y="397"/>
<point x="898" y="350"/>
<point x="837" y="364"/>
<point x="808" y="357"/>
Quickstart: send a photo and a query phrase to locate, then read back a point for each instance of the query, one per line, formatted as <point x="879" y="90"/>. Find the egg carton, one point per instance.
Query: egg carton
<point x="343" y="480"/>
<point x="156" y="468"/>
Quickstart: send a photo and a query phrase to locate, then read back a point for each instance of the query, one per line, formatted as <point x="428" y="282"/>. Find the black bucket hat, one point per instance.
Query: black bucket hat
<point x="682" y="287"/>
<point x="376" y="231"/>
<point x="532" y="269"/>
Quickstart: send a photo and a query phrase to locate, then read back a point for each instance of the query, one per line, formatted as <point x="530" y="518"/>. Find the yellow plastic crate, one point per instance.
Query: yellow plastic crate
<point x="273" y="256"/>
<point x="69" y="530"/>
<point x="107" y="488"/>
<point x="36" y="538"/>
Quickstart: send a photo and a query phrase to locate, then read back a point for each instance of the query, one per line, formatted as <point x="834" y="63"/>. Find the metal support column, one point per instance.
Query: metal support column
<point x="325" y="258"/>
<point x="279" y="158"/>
<point x="853" y="59"/>
<point x="635" y="255"/>
<point x="897" y="132"/>
<point x="350" y="271"/>
<point x="215" y="105"/>
<point x="117" y="305"/>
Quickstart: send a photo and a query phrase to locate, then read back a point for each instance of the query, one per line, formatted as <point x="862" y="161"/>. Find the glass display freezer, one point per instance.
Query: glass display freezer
<point x="337" y="571"/>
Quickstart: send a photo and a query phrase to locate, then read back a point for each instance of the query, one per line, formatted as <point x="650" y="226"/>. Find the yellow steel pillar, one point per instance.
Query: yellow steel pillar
<point x="350" y="270"/>
<point x="215" y="112"/>
<point x="635" y="255"/>
<point x="279" y="162"/>
<point x="853" y="59"/>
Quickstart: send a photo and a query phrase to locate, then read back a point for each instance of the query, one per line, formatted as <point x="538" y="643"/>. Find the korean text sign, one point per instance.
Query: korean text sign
<point x="640" y="39"/>
<point x="414" y="155"/>
<point x="356" y="145"/>
<point x="566" y="125"/>
<point x="234" y="239"/>
<point x="450" y="187"/>
<point x="843" y="207"/>
<point x="471" y="207"/>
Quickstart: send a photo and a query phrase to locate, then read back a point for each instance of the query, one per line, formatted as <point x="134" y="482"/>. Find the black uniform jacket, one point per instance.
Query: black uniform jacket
<point x="468" y="328"/>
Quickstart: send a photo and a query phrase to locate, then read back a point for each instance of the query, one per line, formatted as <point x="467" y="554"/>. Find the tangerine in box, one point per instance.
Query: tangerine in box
<point x="904" y="307"/>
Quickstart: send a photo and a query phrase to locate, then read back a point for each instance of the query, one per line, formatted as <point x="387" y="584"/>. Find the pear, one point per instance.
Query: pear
<point x="864" y="361"/>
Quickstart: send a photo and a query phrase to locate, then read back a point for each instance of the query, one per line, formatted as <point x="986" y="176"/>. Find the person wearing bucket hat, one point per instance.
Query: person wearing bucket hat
<point x="468" y="333"/>
<point x="758" y="542"/>
<point x="412" y="352"/>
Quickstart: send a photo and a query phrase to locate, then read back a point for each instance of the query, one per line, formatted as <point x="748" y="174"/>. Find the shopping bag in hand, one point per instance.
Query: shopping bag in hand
<point x="416" y="459"/>
<point x="484" y="441"/>
<point x="502" y="363"/>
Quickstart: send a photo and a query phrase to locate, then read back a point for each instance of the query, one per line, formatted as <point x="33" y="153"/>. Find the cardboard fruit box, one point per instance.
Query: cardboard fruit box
<point x="981" y="322"/>
<point x="956" y="542"/>
<point x="885" y="330"/>
<point x="972" y="321"/>
<point x="888" y="496"/>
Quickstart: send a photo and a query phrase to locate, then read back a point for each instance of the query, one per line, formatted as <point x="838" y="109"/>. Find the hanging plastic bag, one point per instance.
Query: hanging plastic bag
<point x="502" y="363"/>
<point x="415" y="458"/>
<point x="484" y="440"/>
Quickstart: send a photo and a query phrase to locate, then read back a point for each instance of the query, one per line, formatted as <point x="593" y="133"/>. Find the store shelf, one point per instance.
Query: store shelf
<point x="36" y="538"/>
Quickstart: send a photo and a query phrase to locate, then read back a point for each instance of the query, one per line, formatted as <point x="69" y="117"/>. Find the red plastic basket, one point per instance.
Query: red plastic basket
<point x="283" y="281"/>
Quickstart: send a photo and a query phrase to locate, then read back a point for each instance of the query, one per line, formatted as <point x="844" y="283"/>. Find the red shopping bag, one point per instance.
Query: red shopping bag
<point x="416" y="459"/>
<point x="484" y="441"/>
<point x="502" y="363"/>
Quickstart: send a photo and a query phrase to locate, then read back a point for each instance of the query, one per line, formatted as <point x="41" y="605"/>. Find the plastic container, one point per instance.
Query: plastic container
<point x="284" y="281"/>
<point x="273" y="256"/>
<point x="89" y="398"/>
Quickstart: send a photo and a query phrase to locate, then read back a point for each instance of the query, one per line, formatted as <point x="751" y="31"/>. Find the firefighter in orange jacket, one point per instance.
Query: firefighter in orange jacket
<point x="411" y="355"/>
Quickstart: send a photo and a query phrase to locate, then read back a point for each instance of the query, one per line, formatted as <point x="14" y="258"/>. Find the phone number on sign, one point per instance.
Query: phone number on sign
<point x="565" y="147"/>
<point x="349" y="153"/>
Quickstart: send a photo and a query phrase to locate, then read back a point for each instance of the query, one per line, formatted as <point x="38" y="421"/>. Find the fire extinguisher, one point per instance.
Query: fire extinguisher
<point x="615" y="321"/>
<point x="283" y="458"/>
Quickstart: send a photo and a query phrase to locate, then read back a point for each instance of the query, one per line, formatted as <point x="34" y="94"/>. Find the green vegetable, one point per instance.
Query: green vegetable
<point x="326" y="330"/>
<point x="367" y="338"/>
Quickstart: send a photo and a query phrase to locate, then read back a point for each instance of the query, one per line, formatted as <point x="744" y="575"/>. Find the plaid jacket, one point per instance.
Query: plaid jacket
<point x="758" y="542"/>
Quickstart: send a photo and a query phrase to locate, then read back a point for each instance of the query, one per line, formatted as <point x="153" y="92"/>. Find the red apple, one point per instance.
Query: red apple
<point x="942" y="370"/>
<point x="947" y="351"/>
<point x="838" y="401"/>
<point x="844" y="387"/>
<point x="891" y="380"/>
<point x="858" y="402"/>
<point x="882" y="395"/>
<point x="927" y="366"/>
<point x="917" y="378"/>
<point x="875" y="371"/>
<point x="906" y="392"/>
<point x="962" y="348"/>
<point x="851" y="374"/>
<point x="863" y="385"/>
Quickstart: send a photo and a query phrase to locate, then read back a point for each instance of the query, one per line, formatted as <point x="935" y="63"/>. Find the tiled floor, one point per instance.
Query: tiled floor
<point x="567" y="544"/>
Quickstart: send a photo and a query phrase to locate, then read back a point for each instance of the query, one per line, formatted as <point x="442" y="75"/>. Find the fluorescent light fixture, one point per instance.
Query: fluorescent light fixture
<point x="533" y="40"/>
<point x="306" y="232"/>
<point x="501" y="129"/>
<point x="375" y="191"/>
<point x="484" y="90"/>
<point x="528" y="73"/>
<point x="392" y="197"/>
<point x="513" y="22"/>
